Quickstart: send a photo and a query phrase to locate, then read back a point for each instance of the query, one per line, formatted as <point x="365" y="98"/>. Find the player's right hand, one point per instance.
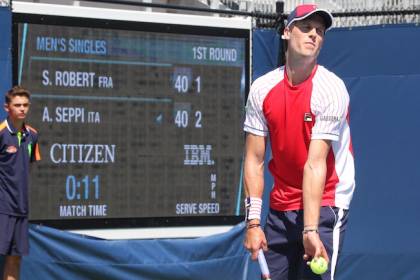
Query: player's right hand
<point x="254" y="241"/>
<point x="313" y="246"/>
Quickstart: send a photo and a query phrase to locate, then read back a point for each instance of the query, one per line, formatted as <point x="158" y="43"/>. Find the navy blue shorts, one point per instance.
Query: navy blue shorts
<point x="283" y="231"/>
<point x="14" y="235"/>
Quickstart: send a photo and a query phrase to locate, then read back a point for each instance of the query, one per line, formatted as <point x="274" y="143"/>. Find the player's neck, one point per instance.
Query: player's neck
<point x="298" y="70"/>
<point x="17" y="124"/>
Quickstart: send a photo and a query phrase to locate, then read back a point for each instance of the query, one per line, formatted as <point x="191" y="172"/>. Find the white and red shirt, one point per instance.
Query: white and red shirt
<point x="294" y="115"/>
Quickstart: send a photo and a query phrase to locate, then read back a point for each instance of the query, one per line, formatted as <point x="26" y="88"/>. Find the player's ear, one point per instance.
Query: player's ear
<point x="286" y="34"/>
<point x="6" y="107"/>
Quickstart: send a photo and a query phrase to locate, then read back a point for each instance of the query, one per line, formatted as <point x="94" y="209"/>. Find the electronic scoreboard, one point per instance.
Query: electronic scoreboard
<point x="140" y="123"/>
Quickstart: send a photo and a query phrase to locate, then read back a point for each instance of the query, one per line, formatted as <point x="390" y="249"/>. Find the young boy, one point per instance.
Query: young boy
<point x="18" y="147"/>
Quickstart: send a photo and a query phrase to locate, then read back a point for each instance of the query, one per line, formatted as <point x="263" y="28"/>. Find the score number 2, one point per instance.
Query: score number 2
<point x="182" y="84"/>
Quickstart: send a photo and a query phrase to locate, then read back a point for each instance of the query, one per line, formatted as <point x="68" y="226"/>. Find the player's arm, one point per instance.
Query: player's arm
<point x="254" y="187"/>
<point x="314" y="175"/>
<point x="330" y="108"/>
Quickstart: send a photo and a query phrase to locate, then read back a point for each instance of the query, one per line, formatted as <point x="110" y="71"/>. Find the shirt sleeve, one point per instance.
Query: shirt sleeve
<point x="255" y="121"/>
<point x="330" y="107"/>
<point x="35" y="154"/>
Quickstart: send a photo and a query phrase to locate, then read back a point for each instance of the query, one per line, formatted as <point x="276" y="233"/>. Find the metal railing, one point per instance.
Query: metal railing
<point x="364" y="5"/>
<point x="348" y="13"/>
<point x="269" y="6"/>
<point x="4" y="3"/>
<point x="262" y="6"/>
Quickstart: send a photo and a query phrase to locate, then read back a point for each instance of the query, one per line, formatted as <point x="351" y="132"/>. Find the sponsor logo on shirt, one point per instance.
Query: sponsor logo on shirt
<point x="11" y="150"/>
<point x="330" y="118"/>
<point x="307" y="117"/>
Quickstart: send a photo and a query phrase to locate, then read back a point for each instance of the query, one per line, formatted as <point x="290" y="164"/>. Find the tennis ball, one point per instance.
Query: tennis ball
<point x="318" y="265"/>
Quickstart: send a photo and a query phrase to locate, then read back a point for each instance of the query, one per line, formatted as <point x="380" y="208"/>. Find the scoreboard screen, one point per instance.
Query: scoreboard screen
<point x="140" y="124"/>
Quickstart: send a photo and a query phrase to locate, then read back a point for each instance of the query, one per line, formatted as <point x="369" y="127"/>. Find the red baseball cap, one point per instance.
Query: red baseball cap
<point x="303" y="11"/>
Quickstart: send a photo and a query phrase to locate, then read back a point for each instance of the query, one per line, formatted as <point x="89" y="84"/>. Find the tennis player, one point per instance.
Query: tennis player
<point x="18" y="147"/>
<point x="303" y="109"/>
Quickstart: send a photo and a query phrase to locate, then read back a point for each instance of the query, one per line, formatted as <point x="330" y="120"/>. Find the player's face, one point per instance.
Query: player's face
<point x="18" y="107"/>
<point x="305" y="37"/>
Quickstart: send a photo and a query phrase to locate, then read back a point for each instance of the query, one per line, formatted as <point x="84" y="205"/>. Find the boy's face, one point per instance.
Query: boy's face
<point x="17" y="108"/>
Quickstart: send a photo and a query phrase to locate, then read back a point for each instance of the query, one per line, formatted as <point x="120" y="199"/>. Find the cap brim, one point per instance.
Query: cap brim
<point x="327" y="16"/>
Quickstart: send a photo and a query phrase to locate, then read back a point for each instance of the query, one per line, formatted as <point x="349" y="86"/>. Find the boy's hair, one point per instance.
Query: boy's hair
<point x="16" y="91"/>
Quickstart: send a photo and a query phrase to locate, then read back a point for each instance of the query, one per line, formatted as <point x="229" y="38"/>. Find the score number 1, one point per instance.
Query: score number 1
<point x="182" y="83"/>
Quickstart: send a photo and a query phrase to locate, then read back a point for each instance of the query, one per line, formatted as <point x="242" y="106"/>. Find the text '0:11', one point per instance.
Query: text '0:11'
<point x="85" y="188"/>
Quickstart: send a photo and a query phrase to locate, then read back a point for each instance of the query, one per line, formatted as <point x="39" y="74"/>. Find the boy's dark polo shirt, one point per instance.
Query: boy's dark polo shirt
<point x="14" y="167"/>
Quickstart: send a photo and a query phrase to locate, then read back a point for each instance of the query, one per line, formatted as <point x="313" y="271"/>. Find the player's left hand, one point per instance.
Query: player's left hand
<point x="254" y="241"/>
<point x="314" y="248"/>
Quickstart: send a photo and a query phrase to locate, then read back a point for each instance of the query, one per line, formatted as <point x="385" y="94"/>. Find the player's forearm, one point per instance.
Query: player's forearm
<point x="254" y="178"/>
<point x="313" y="188"/>
<point x="254" y="188"/>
